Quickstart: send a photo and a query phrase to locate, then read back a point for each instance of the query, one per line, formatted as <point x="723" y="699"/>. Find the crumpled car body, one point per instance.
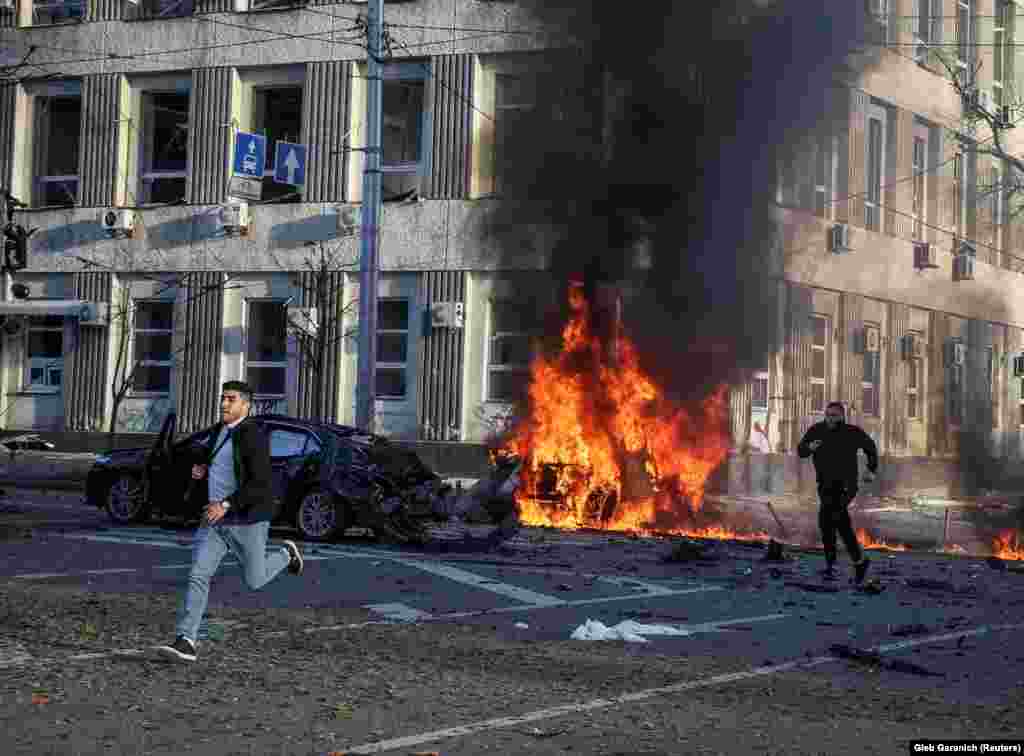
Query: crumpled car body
<point x="326" y="478"/>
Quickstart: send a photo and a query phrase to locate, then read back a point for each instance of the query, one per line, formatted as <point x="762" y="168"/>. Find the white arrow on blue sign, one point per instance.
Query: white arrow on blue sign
<point x="290" y="164"/>
<point x="250" y="155"/>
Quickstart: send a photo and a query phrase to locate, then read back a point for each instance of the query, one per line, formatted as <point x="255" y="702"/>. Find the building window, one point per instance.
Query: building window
<point x="965" y="37"/>
<point x="508" y="351"/>
<point x="819" y="362"/>
<point x="277" y="113"/>
<point x="1002" y="52"/>
<point x="990" y="385"/>
<point x="402" y="129"/>
<point x="875" y="168"/>
<point x="392" y="348"/>
<point x="919" y="159"/>
<point x="880" y="12"/>
<point x="871" y="379"/>
<point x="824" y="176"/>
<point x="45" y="352"/>
<point x="153" y="330"/>
<point x="164" y="147"/>
<point x="914" y="387"/>
<point x="58" y="134"/>
<point x="960" y="192"/>
<point x="266" y="347"/>
<point x="46" y="12"/>
<point x="515" y="105"/>
<point x="955" y="394"/>
<point x="927" y="27"/>
<point x="759" y="391"/>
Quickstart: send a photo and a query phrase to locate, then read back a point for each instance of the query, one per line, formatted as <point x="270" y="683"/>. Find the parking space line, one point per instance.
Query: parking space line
<point x="501" y="723"/>
<point x="398" y="612"/>
<point x="485" y="583"/>
<point x="48" y="575"/>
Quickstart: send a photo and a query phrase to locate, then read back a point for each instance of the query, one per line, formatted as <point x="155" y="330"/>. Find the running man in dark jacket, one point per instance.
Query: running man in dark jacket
<point x="833" y="445"/>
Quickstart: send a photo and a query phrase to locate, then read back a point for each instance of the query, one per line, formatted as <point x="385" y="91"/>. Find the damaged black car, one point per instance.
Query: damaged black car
<point x="326" y="478"/>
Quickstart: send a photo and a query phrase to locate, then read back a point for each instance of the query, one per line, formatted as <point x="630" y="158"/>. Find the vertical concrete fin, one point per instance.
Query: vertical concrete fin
<point x="325" y="121"/>
<point x="200" y="363"/>
<point x="210" y="134"/>
<point x="8" y="100"/>
<point x="97" y="162"/>
<point x="85" y="384"/>
<point x="316" y="397"/>
<point x="441" y="360"/>
<point x="451" y="98"/>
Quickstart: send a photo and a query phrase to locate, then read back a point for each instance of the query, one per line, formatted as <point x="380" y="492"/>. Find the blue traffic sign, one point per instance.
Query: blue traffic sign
<point x="250" y="155"/>
<point x="290" y="164"/>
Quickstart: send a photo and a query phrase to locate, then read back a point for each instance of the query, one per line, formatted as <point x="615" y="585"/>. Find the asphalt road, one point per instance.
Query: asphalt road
<point x="955" y="619"/>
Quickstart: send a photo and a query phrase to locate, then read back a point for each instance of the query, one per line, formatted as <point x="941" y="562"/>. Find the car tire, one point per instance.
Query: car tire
<point x="125" y="502"/>
<point x="319" y="516"/>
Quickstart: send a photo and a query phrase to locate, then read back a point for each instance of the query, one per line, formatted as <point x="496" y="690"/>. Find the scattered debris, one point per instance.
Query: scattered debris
<point x="775" y="552"/>
<point x="914" y="628"/>
<point x="690" y="551"/>
<point x="812" y="587"/>
<point x="27" y="442"/>
<point x="539" y="733"/>
<point x="873" y="658"/>
<point x="564" y="587"/>
<point x="930" y="584"/>
<point x="871" y="587"/>
<point x="40" y="697"/>
<point x="628" y="630"/>
<point x="522" y="626"/>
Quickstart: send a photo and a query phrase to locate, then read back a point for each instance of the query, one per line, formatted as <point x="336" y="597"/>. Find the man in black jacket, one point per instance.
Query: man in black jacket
<point x="833" y="444"/>
<point x="237" y="517"/>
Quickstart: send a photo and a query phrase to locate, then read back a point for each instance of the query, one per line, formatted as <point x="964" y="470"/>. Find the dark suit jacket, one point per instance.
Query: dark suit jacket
<point x="253" y="501"/>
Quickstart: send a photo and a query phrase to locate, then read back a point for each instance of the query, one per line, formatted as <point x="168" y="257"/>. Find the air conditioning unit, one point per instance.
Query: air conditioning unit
<point x="117" y="221"/>
<point x="839" y="238"/>
<point x="234" y="217"/>
<point x="95" y="314"/>
<point x="303" y="319"/>
<point x="924" y="256"/>
<point x="447" y="315"/>
<point x="963" y="268"/>
<point x="349" y="219"/>
<point x="956" y="353"/>
<point x="871" y="340"/>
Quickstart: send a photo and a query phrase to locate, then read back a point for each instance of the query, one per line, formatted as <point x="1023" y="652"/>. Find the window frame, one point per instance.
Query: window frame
<point x="874" y="185"/>
<point x="32" y="8"/>
<point x="955" y="399"/>
<point x="965" y="43"/>
<point x="928" y="32"/>
<point x="760" y="376"/>
<point x="47" y="363"/>
<point x="824" y="194"/>
<point x="873" y="368"/>
<point x="42" y="125"/>
<point x="145" y="10"/>
<point x="146" y="175"/>
<point x="823" y="380"/>
<point x="920" y="138"/>
<point x="409" y="72"/>
<point x="500" y="367"/>
<point x="915" y="377"/>
<point x="168" y="363"/>
<point x="403" y="366"/>
<point x="258" y="121"/>
<point x="265" y="364"/>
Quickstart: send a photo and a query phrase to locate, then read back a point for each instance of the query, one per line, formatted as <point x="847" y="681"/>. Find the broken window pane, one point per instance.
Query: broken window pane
<point x="402" y="136"/>
<point x="165" y="130"/>
<point x="59" y="135"/>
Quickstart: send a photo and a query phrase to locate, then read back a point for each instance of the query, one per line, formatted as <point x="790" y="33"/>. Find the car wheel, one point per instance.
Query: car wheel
<point x="319" y="517"/>
<point x="125" y="500"/>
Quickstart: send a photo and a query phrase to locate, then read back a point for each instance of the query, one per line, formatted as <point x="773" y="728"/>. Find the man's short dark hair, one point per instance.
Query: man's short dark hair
<point x="840" y="405"/>
<point x="243" y="388"/>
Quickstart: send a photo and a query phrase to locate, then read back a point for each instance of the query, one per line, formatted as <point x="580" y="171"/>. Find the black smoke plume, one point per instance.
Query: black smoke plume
<point x="653" y="153"/>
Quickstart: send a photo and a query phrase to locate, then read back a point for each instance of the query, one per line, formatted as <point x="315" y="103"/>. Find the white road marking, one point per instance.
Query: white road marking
<point x="47" y="575"/>
<point x="412" y="741"/>
<point x="479" y="581"/>
<point x="398" y="612"/>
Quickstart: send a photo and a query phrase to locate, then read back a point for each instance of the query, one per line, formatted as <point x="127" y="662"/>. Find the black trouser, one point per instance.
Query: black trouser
<point x="833" y="516"/>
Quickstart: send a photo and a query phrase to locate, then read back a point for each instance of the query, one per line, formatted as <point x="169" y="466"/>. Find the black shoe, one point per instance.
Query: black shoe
<point x="860" y="570"/>
<point x="829" y="573"/>
<point x="295" y="561"/>
<point x="181" y="650"/>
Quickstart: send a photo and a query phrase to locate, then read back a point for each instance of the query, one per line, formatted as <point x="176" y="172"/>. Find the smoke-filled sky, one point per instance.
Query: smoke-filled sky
<point x="693" y="105"/>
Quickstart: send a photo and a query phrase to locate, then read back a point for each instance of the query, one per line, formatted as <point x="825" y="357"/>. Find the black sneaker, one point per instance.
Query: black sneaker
<point x="860" y="570"/>
<point x="295" y="561"/>
<point x="181" y="650"/>
<point x="829" y="573"/>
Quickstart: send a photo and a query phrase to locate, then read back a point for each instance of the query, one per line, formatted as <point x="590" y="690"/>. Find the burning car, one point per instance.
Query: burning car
<point x="326" y="478"/>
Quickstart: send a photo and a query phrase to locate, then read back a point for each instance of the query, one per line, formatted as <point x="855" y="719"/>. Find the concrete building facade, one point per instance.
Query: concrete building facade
<point x="141" y="109"/>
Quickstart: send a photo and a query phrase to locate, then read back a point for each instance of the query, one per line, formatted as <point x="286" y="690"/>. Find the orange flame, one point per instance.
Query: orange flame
<point x="1008" y="545"/>
<point x="868" y="541"/>
<point x="604" y="447"/>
